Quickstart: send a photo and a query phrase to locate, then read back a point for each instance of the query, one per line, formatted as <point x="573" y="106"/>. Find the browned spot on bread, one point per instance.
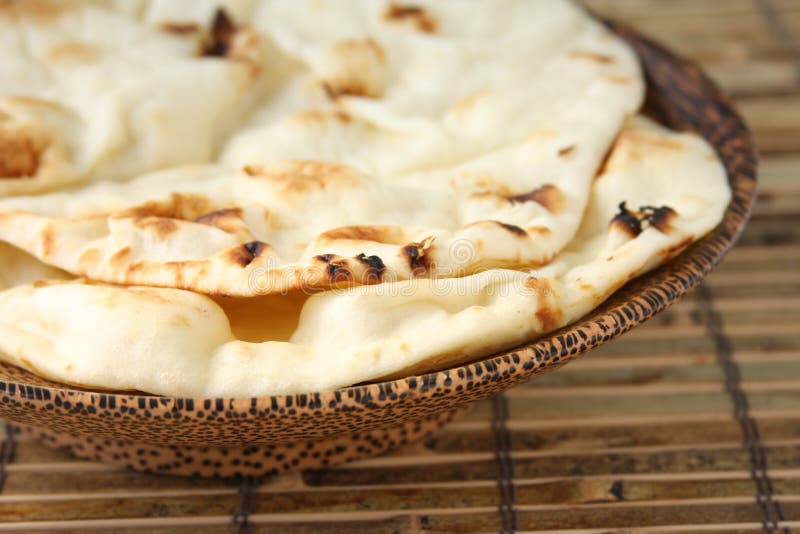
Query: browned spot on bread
<point x="46" y="283"/>
<point x="635" y="142"/>
<point x="548" y="195"/>
<point x="566" y="150"/>
<point x="549" y="316"/>
<point x="244" y="254"/>
<point x="228" y="220"/>
<point x="513" y="228"/>
<point x="591" y="56"/>
<point x="627" y="221"/>
<point x="212" y="216"/>
<point x="134" y="267"/>
<point x="179" y="27"/>
<point x="416" y="254"/>
<point x="358" y="233"/>
<point x="329" y="91"/>
<point x="616" y="78"/>
<point x="90" y="256"/>
<point x="632" y="222"/>
<point x="375" y="268"/>
<point x="325" y="258"/>
<point x="338" y="272"/>
<point x="160" y="226"/>
<point x="304" y="176"/>
<point x="354" y="67"/>
<point x="120" y="256"/>
<point x="48" y="238"/>
<point x="185" y="206"/>
<point x="541" y="231"/>
<point x="351" y="88"/>
<point x="661" y="217"/>
<point x="72" y="51"/>
<point x="422" y="20"/>
<point x="221" y="35"/>
<point x="20" y="152"/>
<point x="40" y="11"/>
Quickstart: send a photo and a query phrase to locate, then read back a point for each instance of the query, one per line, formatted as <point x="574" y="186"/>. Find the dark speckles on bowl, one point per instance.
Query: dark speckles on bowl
<point x="679" y="95"/>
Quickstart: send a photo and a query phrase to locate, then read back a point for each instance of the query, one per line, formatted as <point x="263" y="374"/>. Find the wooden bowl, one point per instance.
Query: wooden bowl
<point x="256" y="436"/>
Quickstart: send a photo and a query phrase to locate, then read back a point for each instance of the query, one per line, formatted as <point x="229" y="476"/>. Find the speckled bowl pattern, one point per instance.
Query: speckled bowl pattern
<point x="396" y="411"/>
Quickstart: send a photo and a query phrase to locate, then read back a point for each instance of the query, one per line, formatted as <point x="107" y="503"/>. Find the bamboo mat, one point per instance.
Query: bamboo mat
<point x="690" y="423"/>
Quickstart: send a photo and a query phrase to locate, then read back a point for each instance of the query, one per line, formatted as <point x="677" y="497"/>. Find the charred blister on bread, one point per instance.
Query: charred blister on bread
<point x="374" y="268"/>
<point x="220" y="36"/>
<point x="626" y="221"/>
<point x="416" y="255"/>
<point x="633" y="222"/>
<point x="324" y="258"/>
<point x="244" y="254"/>
<point x="660" y="217"/>
<point x="338" y="272"/>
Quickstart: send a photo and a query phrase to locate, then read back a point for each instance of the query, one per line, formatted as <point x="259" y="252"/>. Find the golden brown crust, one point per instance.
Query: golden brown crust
<point x="160" y="226"/>
<point x="21" y="150"/>
<point x="356" y="69"/>
<point x="304" y="176"/>
<point x="422" y="20"/>
<point x="548" y="196"/>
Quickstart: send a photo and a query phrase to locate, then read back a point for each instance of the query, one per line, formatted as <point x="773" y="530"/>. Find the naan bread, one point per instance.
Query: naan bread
<point x="659" y="191"/>
<point x="18" y="267"/>
<point x="331" y="185"/>
<point x="88" y="93"/>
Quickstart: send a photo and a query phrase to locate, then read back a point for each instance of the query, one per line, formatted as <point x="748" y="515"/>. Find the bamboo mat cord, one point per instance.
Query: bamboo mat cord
<point x="778" y="27"/>
<point x="505" y="465"/>
<point x="248" y="487"/>
<point x="751" y="437"/>
<point x="6" y="454"/>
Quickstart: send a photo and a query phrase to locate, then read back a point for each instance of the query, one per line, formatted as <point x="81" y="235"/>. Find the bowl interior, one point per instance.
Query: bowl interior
<point x="679" y="96"/>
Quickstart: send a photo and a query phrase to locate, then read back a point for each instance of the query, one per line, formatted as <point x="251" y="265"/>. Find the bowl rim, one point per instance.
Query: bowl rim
<point x="627" y="307"/>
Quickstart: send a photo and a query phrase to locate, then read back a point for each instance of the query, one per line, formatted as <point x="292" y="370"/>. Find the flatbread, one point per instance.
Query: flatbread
<point x="332" y="186"/>
<point x="18" y="267"/>
<point x="90" y="93"/>
<point x="659" y="191"/>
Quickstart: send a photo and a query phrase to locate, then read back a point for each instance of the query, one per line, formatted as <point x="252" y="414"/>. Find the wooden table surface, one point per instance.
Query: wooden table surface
<point x="690" y="423"/>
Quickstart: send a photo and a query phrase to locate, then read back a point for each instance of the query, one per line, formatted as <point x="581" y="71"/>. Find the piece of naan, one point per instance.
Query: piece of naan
<point x="659" y="191"/>
<point x="477" y="152"/>
<point x="88" y="92"/>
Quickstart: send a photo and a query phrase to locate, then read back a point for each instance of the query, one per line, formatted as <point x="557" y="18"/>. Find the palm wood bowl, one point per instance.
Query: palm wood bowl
<point x="269" y="435"/>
